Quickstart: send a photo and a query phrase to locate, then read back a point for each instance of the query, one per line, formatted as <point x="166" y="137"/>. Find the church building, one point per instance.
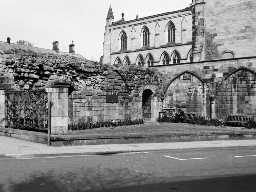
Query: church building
<point x="161" y="39"/>
<point x="207" y="51"/>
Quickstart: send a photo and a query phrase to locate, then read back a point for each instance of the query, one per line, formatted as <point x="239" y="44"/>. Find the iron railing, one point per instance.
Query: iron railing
<point x="27" y="110"/>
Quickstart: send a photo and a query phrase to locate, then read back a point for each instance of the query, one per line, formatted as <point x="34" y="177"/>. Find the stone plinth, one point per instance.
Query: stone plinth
<point x="156" y="108"/>
<point x="58" y="96"/>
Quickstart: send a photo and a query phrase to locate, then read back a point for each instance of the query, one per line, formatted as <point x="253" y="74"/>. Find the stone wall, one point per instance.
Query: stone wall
<point x="33" y="68"/>
<point x="95" y="108"/>
<point x="237" y="95"/>
<point x="118" y="97"/>
<point x="229" y="84"/>
<point x="224" y="29"/>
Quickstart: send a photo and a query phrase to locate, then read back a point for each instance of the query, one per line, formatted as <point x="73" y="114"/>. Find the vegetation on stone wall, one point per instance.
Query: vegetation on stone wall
<point x="34" y="68"/>
<point x="33" y="71"/>
<point x="211" y="47"/>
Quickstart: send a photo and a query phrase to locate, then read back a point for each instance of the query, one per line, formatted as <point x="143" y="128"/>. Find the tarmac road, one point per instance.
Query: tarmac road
<point x="214" y="169"/>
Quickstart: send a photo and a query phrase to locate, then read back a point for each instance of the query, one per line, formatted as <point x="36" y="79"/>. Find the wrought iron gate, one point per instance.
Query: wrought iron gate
<point x="27" y="110"/>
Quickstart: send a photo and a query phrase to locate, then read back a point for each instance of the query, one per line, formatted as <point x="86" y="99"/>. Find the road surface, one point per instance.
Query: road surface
<point x="215" y="169"/>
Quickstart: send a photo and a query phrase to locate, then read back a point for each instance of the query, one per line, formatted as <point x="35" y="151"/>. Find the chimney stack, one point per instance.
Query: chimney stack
<point x="72" y="48"/>
<point x="8" y="40"/>
<point x="55" y="46"/>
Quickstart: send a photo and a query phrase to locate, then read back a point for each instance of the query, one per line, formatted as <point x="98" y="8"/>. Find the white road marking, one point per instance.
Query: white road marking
<point x="199" y="158"/>
<point x="244" y="156"/>
<point x="176" y="158"/>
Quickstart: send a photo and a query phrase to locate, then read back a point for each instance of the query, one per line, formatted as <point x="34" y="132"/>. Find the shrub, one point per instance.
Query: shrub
<point x="181" y="117"/>
<point x="95" y="125"/>
<point x="216" y="122"/>
<point x="251" y="124"/>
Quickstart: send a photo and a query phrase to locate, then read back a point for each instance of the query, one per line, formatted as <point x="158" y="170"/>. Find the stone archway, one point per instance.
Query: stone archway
<point x="236" y="94"/>
<point x="187" y="92"/>
<point x="147" y="96"/>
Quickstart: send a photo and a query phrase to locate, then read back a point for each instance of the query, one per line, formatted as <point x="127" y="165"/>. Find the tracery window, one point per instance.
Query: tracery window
<point x="165" y="59"/>
<point x="123" y="41"/>
<point x="117" y="62"/>
<point x="140" y="61"/>
<point x="149" y="60"/>
<point x="175" y="57"/>
<point x="146" y="37"/>
<point x="127" y="61"/>
<point x="171" y="33"/>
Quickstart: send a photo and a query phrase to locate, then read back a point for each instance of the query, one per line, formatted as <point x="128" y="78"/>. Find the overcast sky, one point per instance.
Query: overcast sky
<point x="43" y="21"/>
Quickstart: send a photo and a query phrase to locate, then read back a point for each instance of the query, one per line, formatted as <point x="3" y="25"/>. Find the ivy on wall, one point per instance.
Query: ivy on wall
<point x="211" y="47"/>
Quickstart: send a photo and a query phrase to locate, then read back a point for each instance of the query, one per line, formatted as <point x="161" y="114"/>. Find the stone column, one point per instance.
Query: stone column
<point x="204" y="112"/>
<point x="2" y="109"/>
<point x="234" y="96"/>
<point x="213" y="108"/>
<point x="58" y="97"/>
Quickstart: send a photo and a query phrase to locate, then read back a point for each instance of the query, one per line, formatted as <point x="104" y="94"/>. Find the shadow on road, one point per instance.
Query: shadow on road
<point x="224" y="184"/>
<point x="100" y="179"/>
<point x="125" y="180"/>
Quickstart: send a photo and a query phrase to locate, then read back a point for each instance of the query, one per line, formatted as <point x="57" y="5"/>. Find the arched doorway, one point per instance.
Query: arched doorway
<point x="146" y="104"/>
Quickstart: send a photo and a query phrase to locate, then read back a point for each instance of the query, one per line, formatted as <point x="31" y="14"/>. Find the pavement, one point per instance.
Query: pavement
<point x="15" y="147"/>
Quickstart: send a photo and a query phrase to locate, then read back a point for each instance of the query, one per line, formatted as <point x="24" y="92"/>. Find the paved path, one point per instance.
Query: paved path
<point x="15" y="147"/>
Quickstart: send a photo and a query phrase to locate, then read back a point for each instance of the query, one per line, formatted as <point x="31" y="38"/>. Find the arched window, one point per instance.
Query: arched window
<point x="123" y="41"/>
<point x="171" y="32"/>
<point x="149" y="60"/>
<point x="140" y="60"/>
<point x="175" y="57"/>
<point x="126" y="61"/>
<point x="145" y="34"/>
<point x="165" y="59"/>
<point x="227" y="54"/>
<point x="117" y="62"/>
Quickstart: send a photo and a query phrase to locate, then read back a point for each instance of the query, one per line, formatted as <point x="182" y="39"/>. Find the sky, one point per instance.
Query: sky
<point x="83" y="21"/>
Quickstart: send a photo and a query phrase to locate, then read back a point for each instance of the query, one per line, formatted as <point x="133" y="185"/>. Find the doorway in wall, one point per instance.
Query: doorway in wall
<point x="146" y="104"/>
